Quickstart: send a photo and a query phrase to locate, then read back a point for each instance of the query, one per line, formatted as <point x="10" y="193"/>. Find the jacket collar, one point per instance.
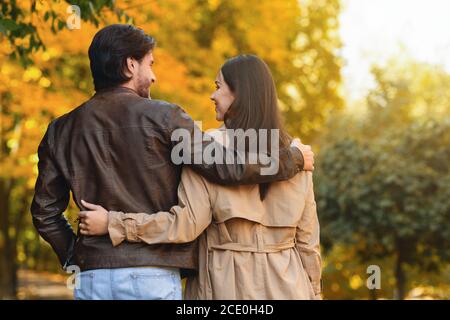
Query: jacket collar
<point x="115" y="90"/>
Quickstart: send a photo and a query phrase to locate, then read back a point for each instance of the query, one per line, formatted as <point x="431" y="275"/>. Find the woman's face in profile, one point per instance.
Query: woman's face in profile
<point x="222" y="97"/>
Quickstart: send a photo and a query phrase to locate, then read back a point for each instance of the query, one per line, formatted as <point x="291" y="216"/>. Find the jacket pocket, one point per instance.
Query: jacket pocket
<point x="156" y="286"/>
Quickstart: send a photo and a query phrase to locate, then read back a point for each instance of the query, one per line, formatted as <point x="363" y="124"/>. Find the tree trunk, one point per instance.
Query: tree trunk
<point x="400" y="290"/>
<point x="8" y="262"/>
<point x="373" y="294"/>
<point x="8" y="277"/>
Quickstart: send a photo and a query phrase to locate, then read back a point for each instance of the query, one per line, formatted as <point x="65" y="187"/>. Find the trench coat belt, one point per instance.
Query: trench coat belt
<point x="266" y="248"/>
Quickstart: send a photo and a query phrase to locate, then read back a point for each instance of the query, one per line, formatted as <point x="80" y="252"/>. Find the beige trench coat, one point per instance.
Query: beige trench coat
<point x="248" y="248"/>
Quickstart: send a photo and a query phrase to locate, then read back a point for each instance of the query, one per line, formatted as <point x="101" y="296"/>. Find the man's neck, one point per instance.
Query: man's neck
<point x="129" y="86"/>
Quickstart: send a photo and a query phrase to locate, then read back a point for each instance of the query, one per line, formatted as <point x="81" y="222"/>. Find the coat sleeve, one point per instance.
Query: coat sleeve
<point x="308" y="239"/>
<point x="182" y="223"/>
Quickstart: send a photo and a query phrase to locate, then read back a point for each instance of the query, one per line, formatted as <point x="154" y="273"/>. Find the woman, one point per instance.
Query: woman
<point x="255" y="241"/>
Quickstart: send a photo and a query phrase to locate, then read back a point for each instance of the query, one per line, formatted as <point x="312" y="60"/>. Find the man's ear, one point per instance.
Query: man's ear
<point x="131" y="67"/>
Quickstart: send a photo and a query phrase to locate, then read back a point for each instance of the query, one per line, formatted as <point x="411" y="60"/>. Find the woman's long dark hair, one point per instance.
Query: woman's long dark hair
<point x="255" y="104"/>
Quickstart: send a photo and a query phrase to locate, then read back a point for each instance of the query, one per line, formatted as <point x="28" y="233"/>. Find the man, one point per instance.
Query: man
<point x="116" y="149"/>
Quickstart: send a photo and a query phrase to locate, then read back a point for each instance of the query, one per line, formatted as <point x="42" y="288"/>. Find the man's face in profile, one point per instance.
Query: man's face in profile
<point x="145" y="76"/>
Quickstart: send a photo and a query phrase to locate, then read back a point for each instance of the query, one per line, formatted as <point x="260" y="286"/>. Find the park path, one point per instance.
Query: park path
<point x="43" y="285"/>
<point x="50" y="286"/>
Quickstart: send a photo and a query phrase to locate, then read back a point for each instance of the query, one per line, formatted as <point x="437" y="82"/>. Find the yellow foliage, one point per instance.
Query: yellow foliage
<point x="189" y="53"/>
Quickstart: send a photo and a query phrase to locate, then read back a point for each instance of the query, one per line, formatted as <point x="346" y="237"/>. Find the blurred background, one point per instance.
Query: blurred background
<point x="366" y="83"/>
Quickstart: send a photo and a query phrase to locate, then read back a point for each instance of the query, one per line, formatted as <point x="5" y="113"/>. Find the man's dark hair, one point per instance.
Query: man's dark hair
<point x="110" y="49"/>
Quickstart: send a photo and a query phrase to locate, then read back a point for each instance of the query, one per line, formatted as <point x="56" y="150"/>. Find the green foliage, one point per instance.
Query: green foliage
<point x="395" y="187"/>
<point x="383" y="180"/>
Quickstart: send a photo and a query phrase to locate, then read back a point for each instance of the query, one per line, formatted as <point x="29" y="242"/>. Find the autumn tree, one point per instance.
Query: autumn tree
<point x="383" y="178"/>
<point x="298" y="40"/>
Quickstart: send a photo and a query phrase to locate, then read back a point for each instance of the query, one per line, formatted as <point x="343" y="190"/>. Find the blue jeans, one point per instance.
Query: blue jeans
<point x="152" y="283"/>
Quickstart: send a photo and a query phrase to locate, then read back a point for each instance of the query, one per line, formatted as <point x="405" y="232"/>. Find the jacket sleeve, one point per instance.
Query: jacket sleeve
<point x="236" y="172"/>
<point x="182" y="223"/>
<point x="308" y="239"/>
<point x="50" y="200"/>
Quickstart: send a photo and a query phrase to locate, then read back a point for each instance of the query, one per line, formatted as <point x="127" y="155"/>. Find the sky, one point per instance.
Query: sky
<point x="374" y="30"/>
